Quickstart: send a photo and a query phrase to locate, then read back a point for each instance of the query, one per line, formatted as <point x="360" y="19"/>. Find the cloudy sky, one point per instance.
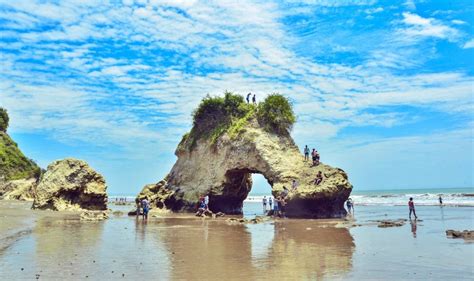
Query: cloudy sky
<point x="383" y="89"/>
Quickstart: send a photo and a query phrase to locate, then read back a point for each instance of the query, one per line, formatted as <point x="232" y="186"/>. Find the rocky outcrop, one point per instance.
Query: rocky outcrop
<point x="71" y="184"/>
<point x="94" y="216"/>
<point x="22" y="189"/>
<point x="221" y="165"/>
<point x="391" y="223"/>
<point x="466" y="234"/>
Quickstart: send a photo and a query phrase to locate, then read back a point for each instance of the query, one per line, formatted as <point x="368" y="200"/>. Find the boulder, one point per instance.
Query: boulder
<point x="466" y="234"/>
<point x="71" y="184"/>
<point x="94" y="216"/>
<point x="391" y="223"/>
<point x="22" y="189"/>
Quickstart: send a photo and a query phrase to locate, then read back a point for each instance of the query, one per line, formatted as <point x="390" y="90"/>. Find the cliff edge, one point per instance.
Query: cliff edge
<point x="18" y="174"/>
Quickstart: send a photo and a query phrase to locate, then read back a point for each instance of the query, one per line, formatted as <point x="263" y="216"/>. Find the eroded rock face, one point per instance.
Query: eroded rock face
<point x="222" y="170"/>
<point x="71" y="184"/>
<point x="22" y="189"/>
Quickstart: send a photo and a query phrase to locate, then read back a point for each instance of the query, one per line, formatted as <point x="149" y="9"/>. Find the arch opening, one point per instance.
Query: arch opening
<point x="235" y="190"/>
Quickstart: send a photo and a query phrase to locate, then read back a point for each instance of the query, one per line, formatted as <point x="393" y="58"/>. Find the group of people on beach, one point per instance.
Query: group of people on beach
<point x="278" y="204"/>
<point x="143" y="207"/>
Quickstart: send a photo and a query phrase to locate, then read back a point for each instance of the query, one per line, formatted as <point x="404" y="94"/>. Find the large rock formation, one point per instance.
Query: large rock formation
<point x="71" y="184"/>
<point x="18" y="174"/>
<point x="219" y="163"/>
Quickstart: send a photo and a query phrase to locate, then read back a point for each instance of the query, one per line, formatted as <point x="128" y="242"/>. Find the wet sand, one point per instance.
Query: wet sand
<point x="51" y="245"/>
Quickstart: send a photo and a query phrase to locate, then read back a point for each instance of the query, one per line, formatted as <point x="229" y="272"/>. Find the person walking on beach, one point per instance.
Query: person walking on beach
<point x="264" y="201"/>
<point x="270" y="202"/>
<point x="254" y="99"/>
<point x="349" y="206"/>
<point x="411" y="206"/>
<point x="275" y="206"/>
<point x="306" y="153"/>
<point x="146" y="208"/>
<point x="248" y="97"/>
<point x="440" y="201"/>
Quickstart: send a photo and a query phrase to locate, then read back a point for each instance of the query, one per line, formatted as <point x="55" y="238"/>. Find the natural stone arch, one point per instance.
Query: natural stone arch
<point x="221" y="167"/>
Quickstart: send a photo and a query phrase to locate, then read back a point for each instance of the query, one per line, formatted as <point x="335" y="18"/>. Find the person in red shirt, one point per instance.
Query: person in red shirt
<point x="411" y="206"/>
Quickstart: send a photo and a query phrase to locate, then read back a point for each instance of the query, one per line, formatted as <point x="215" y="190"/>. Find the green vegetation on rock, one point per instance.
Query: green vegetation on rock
<point x="3" y="119"/>
<point x="230" y="114"/>
<point x="13" y="164"/>
<point x="276" y="114"/>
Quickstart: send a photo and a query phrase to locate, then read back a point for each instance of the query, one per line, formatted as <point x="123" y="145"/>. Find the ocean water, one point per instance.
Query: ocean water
<point x="461" y="197"/>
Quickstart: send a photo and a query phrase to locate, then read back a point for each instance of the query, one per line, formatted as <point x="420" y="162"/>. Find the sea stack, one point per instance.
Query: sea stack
<point x="229" y="141"/>
<point x="70" y="184"/>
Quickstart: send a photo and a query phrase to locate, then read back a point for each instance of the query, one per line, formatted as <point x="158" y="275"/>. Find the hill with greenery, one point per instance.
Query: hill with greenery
<point x="230" y="114"/>
<point x="13" y="163"/>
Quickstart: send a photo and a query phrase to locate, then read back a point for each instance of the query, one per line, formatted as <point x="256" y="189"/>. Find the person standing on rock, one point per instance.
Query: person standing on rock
<point x="248" y="97"/>
<point x="411" y="206"/>
<point x="306" y="153"/>
<point x="294" y="185"/>
<point x="319" y="178"/>
<point x="264" y="201"/>
<point x="254" y="99"/>
<point x="146" y="208"/>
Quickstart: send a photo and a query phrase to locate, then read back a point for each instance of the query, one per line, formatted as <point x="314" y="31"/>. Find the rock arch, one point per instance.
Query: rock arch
<point x="222" y="169"/>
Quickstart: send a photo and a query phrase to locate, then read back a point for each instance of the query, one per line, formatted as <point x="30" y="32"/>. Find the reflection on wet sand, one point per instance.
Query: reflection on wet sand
<point x="289" y="249"/>
<point x="65" y="243"/>
<point x="207" y="250"/>
<point x="309" y="250"/>
<point x="413" y="227"/>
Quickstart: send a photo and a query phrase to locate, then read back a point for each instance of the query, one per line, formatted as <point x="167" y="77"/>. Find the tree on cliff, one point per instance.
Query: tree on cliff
<point x="3" y="119"/>
<point x="276" y="113"/>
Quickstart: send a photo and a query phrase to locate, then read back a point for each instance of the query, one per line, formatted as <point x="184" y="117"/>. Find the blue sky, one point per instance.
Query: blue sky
<point x="383" y="89"/>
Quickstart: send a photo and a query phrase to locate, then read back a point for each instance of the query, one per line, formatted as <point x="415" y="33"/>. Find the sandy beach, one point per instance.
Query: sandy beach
<point x="51" y="246"/>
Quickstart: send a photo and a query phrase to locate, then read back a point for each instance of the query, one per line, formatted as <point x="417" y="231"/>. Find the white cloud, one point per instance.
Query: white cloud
<point x="459" y="22"/>
<point x="172" y="60"/>
<point x="427" y="27"/>
<point x="469" y="44"/>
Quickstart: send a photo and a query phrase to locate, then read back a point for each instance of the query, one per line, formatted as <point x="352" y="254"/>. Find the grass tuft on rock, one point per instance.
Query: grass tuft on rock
<point x="230" y="114"/>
